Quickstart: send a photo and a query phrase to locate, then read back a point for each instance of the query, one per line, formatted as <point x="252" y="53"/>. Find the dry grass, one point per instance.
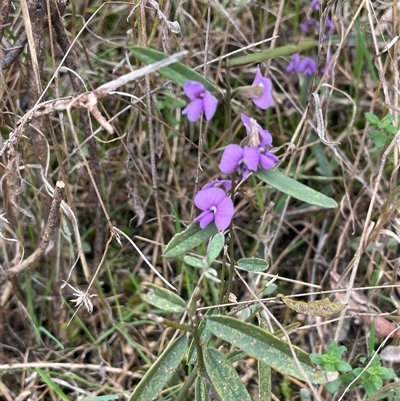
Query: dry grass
<point x="143" y="176"/>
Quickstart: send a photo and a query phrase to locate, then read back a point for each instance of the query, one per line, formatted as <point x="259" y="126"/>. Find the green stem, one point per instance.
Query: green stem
<point x="231" y="239"/>
<point x="188" y="383"/>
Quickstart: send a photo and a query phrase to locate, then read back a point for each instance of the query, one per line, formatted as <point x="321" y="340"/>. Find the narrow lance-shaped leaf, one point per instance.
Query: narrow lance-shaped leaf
<point x="200" y="386"/>
<point x="215" y="247"/>
<point x="190" y="238"/>
<point x="322" y="307"/>
<point x="161" y="371"/>
<point x="282" y="51"/>
<point x="224" y="377"/>
<point x="294" y="188"/>
<point x="176" y="72"/>
<point x="52" y="385"/>
<point x="163" y="298"/>
<point x="265" y="347"/>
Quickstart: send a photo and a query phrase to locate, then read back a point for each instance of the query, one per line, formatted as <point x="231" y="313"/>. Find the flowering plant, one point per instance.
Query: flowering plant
<point x="218" y="201"/>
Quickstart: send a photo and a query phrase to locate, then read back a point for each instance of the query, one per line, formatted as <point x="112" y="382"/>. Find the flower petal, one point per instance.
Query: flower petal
<point x="224" y="214"/>
<point x="210" y="104"/>
<point x="307" y="66"/>
<point x="205" y="199"/>
<point x="268" y="160"/>
<point x="223" y="184"/>
<point x="193" y="110"/>
<point x="205" y="218"/>
<point x="265" y="100"/>
<point x="294" y="63"/>
<point x="231" y="158"/>
<point x="246" y="122"/>
<point x="251" y="156"/>
<point x="266" y="137"/>
<point x="329" y="26"/>
<point x="258" y="78"/>
<point x="315" y="4"/>
<point x="193" y="89"/>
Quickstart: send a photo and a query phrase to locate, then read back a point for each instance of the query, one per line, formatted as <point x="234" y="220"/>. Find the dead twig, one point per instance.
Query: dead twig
<point x="51" y="223"/>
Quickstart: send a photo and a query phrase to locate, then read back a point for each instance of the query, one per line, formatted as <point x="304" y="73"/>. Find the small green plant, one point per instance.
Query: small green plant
<point x="332" y="362"/>
<point x="370" y="376"/>
<point x="384" y="129"/>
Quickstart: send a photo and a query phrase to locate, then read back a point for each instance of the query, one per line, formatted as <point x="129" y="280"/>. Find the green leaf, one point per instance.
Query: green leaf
<point x="253" y="264"/>
<point x="264" y="380"/>
<point x="372" y="119"/>
<point x="52" y="385"/>
<point x="391" y="129"/>
<point x="224" y="377"/>
<point x="215" y="247"/>
<point x="387" y="120"/>
<point x="163" y="298"/>
<point x="176" y="72"/>
<point x="200" y="389"/>
<point x="45" y="331"/>
<point x="161" y="371"/>
<point x="378" y="137"/>
<point x="282" y="51"/>
<point x="195" y="262"/>
<point x="343" y="366"/>
<point x="190" y="238"/>
<point x="265" y="347"/>
<point x="294" y="188"/>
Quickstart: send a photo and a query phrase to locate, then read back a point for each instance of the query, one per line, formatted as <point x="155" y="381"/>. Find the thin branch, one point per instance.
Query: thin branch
<point x="51" y="223"/>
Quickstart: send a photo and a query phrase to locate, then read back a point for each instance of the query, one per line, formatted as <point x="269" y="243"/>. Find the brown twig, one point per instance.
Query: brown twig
<point x="51" y="223"/>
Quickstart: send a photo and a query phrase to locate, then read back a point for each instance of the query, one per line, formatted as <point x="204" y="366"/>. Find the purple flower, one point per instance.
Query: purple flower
<point x="329" y="26"/>
<point x="216" y="206"/>
<point x="202" y="100"/>
<point x="306" y="66"/>
<point x="304" y="26"/>
<point x="243" y="160"/>
<point x="265" y="136"/>
<point x="265" y="100"/>
<point x="315" y="4"/>
<point x="294" y="63"/>
<point x="225" y="184"/>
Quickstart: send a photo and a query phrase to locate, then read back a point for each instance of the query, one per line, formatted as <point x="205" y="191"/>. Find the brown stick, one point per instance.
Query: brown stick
<point x="51" y="223"/>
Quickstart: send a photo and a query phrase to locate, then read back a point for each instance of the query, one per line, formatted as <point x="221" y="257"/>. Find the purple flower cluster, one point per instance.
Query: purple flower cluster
<point x="307" y="65"/>
<point x="313" y="23"/>
<point x="213" y="199"/>
<point x="252" y="156"/>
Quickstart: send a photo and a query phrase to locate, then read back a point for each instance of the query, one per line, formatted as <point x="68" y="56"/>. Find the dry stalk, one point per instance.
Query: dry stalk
<point x="51" y="223"/>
